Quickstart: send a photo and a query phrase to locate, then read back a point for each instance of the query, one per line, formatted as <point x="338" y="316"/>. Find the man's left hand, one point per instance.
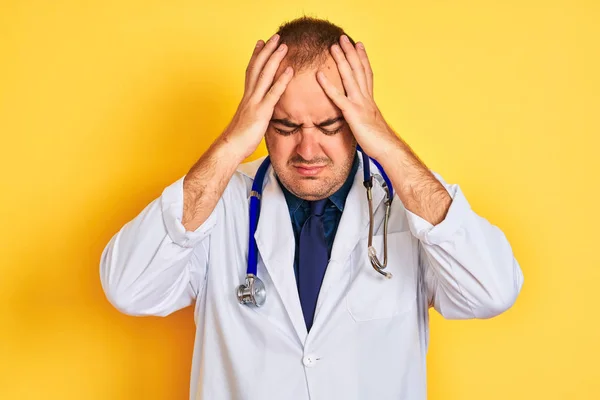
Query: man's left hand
<point x="361" y="113"/>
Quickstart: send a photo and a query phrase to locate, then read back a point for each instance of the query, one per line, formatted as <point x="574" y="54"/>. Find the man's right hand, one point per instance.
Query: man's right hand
<point x="205" y="183"/>
<point x="250" y="122"/>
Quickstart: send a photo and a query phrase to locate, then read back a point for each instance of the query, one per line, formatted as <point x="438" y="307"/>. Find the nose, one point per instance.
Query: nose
<point x="308" y="146"/>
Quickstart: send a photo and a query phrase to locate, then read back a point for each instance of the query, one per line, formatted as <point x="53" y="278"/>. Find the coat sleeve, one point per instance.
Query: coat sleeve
<point x="153" y="266"/>
<point x="468" y="264"/>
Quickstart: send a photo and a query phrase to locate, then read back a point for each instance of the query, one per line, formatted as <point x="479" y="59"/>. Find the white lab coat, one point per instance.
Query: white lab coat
<point x="370" y="335"/>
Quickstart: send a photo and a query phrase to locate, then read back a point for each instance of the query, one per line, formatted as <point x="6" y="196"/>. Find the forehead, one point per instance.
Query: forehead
<point x="304" y="99"/>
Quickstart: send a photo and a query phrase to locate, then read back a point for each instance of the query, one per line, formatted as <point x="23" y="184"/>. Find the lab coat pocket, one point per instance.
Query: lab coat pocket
<point x="373" y="296"/>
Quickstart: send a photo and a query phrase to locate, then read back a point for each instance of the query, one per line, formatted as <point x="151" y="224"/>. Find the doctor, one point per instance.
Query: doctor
<point x="331" y="326"/>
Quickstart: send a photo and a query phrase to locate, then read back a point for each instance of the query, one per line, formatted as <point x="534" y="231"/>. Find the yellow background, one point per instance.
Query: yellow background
<point x="104" y="103"/>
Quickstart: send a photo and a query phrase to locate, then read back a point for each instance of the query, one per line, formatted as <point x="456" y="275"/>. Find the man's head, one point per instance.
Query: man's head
<point x="307" y="130"/>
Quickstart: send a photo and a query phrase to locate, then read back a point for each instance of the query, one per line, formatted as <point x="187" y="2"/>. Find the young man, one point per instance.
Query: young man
<point x="331" y="327"/>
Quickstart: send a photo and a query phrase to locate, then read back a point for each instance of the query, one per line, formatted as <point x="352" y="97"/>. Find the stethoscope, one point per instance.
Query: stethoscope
<point x="253" y="292"/>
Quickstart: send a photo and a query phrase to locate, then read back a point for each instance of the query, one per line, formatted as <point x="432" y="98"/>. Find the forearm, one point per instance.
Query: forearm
<point x="418" y="189"/>
<point x="148" y="267"/>
<point x="470" y="268"/>
<point x="143" y="272"/>
<point x="206" y="181"/>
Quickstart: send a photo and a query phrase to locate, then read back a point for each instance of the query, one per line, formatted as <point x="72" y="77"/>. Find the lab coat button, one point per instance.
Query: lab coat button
<point x="309" y="361"/>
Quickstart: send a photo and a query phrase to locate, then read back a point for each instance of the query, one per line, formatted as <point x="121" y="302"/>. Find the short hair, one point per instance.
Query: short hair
<point x="309" y="40"/>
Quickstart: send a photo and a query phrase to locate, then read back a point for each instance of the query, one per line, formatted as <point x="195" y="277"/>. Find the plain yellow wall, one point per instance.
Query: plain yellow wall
<point x="104" y="103"/>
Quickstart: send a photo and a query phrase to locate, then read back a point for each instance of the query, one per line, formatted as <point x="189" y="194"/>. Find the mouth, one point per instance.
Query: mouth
<point x="309" y="171"/>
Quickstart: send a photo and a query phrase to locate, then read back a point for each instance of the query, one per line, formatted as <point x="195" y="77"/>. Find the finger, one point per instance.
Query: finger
<point x="256" y="66"/>
<point x="364" y="59"/>
<point x="274" y="94"/>
<point x="341" y="101"/>
<point x="255" y="52"/>
<point x="348" y="79"/>
<point x="355" y="64"/>
<point x="267" y="75"/>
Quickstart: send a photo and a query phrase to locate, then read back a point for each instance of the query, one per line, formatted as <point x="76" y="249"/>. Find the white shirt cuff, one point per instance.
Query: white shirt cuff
<point x="172" y="211"/>
<point x="445" y="230"/>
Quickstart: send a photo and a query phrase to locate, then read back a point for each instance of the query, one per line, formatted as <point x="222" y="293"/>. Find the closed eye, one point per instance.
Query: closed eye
<point x="285" y="133"/>
<point x="333" y="132"/>
<point x="325" y="131"/>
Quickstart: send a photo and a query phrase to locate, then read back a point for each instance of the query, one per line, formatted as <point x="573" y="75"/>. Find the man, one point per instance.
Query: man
<point x="331" y="327"/>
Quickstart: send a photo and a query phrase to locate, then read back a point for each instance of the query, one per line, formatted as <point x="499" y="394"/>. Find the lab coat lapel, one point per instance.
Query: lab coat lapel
<point x="276" y="245"/>
<point x="354" y="225"/>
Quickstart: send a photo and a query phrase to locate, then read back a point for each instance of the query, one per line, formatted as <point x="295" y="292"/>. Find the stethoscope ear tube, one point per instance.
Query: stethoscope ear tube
<point x="367" y="172"/>
<point x="389" y="191"/>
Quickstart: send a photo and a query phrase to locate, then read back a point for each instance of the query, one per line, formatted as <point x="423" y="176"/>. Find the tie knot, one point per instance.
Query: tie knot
<point x="318" y="207"/>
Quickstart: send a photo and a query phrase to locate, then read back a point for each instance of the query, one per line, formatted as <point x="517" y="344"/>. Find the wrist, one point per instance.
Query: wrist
<point x="229" y="149"/>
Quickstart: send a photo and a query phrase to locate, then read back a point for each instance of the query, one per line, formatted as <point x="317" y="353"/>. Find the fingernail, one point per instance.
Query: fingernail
<point x="259" y="43"/>
<point x="274" y="38"/>
<point x="360" y="45"/>
<point x="281" y="47"/>
<point x="345" y="39"/>
<point x="335" y="48"/>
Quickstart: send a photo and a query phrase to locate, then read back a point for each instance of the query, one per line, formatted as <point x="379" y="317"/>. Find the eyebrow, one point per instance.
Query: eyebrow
<point x="290" y="124"/>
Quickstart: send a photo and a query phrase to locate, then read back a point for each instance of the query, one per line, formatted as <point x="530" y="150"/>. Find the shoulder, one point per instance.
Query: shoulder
<point x="240" y="185"/>
<point x="248" y="169"/>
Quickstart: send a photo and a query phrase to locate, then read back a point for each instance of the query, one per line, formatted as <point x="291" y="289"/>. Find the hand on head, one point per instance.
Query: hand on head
<point x="254" y="112"/>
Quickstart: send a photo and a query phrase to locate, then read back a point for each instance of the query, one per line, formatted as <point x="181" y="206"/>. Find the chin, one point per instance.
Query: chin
<point x="309" y="189"/>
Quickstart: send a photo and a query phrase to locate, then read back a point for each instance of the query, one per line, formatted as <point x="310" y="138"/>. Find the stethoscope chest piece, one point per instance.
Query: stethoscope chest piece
<point x="252" y="292"/>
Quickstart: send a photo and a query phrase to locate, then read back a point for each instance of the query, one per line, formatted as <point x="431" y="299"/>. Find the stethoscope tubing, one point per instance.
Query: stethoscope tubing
<point x="253" y="291"/>
<point x="255" y="199"/>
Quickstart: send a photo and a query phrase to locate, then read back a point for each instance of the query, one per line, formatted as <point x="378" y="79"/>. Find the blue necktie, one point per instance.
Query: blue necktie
<point x="312" y="260"/>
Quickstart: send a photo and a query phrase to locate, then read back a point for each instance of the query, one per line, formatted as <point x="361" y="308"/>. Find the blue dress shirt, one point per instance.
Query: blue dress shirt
<point x="300" y="210"/>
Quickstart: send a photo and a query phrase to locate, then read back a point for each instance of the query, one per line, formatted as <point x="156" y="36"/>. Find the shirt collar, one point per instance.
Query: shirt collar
<point x="338" y="198"/>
